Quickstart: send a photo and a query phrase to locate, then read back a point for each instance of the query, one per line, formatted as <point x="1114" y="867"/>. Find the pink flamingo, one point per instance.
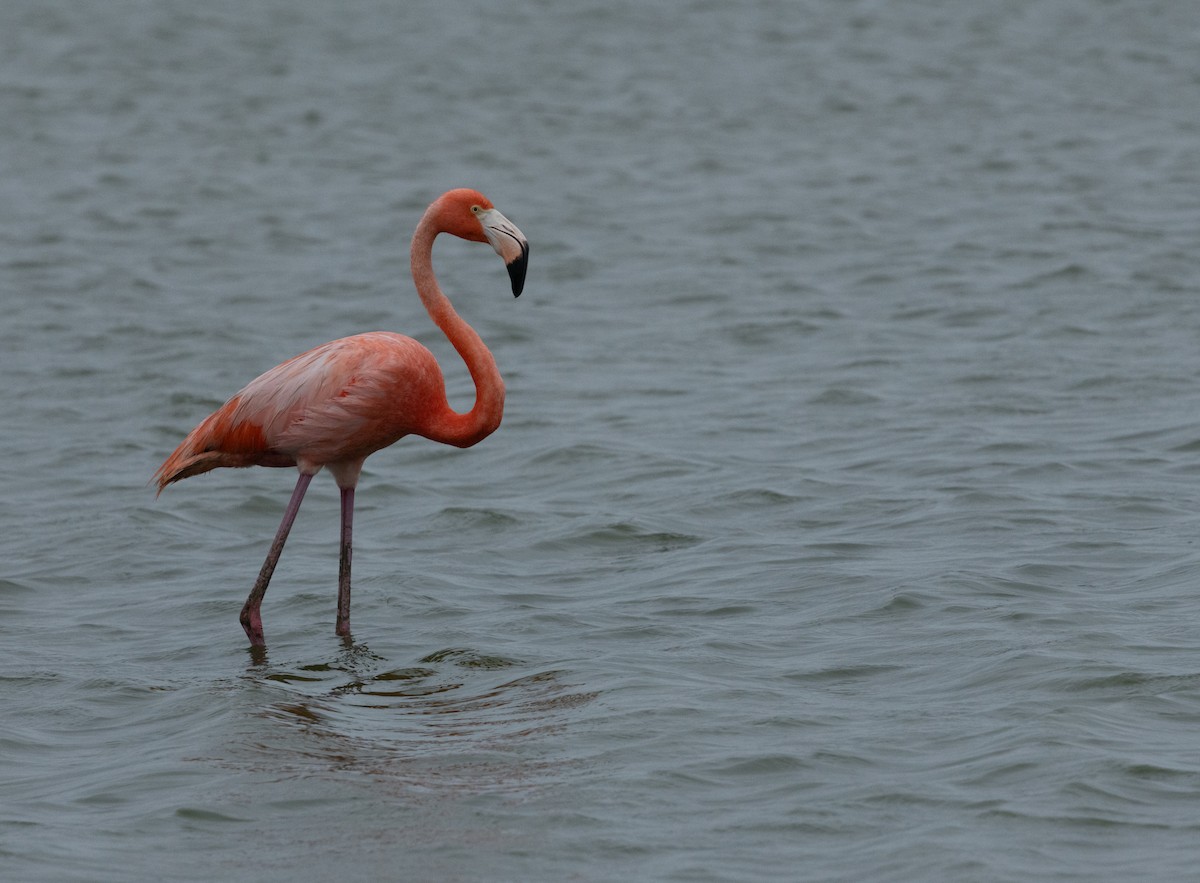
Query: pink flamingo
<point x="339" y="403"/>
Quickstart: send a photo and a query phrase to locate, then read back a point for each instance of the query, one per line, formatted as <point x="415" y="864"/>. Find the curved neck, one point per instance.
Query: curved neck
<point x="448" y="426"/>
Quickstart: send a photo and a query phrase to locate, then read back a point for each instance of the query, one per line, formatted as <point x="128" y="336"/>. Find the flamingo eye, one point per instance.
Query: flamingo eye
<point x="476" y="209"/>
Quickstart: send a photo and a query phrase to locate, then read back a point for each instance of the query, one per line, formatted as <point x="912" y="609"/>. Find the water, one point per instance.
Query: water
<point x="842" y="524"/>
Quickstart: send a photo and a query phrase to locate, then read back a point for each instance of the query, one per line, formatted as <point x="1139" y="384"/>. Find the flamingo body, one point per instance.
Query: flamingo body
<point x="332" y="406"/>
<point x="338" y="403"/>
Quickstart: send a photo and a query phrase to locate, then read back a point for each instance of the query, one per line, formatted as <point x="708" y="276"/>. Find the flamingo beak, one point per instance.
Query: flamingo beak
<point x="510" y="244"/>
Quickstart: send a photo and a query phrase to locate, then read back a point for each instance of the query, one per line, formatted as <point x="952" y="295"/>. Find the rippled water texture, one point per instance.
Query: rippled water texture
<point x="842" y="525"/>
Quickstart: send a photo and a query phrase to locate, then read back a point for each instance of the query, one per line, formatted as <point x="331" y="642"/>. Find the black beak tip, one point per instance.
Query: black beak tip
<point x="516" y="271"/>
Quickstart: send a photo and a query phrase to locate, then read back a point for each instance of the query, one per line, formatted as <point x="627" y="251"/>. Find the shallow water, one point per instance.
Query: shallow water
<point x="842" y="522"/>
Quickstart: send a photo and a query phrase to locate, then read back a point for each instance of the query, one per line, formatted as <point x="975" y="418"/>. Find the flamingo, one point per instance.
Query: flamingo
<point x="338" y="403"/>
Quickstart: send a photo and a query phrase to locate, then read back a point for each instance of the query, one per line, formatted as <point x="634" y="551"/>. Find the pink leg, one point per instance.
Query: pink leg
<point x="343" y="605"/>
<point x="251" y="617"/>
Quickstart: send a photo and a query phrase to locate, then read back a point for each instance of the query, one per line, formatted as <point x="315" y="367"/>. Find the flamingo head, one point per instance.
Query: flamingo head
<point x="470" y="215"/>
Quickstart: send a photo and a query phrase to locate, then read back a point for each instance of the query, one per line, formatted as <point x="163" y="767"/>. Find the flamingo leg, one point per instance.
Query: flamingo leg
<point x="251" y="617"/>
<point x="343" y="605"/>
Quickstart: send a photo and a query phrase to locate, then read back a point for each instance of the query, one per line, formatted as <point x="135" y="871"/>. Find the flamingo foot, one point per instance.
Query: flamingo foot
<point x="251" y="620"/>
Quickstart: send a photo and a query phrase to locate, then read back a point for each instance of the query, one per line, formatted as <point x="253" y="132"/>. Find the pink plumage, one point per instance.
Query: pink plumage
<point x="338" y="403"/>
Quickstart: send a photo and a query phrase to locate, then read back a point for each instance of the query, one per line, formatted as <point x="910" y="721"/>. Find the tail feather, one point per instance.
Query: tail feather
<point x="219" y="440"/>
<point x="184" y="464"/>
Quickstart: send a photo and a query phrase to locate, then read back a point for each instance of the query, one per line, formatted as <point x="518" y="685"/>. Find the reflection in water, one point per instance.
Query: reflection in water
<point x="457" y="719"/>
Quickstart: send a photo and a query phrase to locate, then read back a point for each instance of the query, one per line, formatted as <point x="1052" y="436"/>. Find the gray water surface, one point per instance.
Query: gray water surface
<point x="842" y="525"/>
